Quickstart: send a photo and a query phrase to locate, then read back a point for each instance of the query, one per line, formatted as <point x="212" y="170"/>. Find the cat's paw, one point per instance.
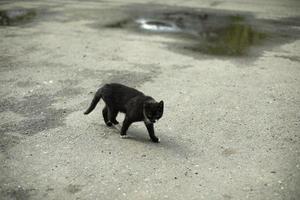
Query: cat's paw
<point x="155" y="140"/>
<point x="109" y="124"/>
<point x="124" y="136"/>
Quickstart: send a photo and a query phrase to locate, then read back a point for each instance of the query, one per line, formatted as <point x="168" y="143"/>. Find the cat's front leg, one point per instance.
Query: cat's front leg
<point x="126" y="123"/>
<point x="150" y="129"/>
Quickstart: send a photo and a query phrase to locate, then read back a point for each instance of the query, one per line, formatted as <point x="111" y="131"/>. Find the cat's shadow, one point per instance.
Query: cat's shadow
<point x="135" y="134"/>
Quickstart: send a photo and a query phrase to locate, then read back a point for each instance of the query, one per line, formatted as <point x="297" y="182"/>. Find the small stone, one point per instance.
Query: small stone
<point x="175" y="177"/>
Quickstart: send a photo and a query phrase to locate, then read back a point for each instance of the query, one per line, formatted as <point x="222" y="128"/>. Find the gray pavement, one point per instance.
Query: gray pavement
<point x="231" y="127"/>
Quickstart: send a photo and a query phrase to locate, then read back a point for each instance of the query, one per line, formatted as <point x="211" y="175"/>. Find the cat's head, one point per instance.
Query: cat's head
<point x="153" y="111"/>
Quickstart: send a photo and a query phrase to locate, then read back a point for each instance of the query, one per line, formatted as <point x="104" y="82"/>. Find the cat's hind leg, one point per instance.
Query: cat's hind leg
<point x="112" y="114"/>
<point x="105" y="116"/>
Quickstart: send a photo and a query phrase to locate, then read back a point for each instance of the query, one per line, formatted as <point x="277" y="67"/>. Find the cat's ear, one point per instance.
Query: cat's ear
<point x="161" y="105"/>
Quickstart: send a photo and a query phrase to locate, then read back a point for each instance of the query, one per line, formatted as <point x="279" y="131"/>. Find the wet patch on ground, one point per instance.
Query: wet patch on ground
<point x="25" y="16"/>
<point x="16" y="16"/>
<point x="18" y="193"/>
<point x="207" y="31"/>
<point x="38" y="113"/>
<point x="129" y="78"/>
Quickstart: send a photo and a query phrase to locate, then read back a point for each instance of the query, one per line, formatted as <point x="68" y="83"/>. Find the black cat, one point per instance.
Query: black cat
<point x="135" y="105"/>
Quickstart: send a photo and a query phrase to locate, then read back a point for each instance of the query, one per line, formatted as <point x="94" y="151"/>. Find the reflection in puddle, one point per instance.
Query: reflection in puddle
<point x="16" y="16"/>
<point x="210" y="32"/>
<point x="234" y="39"/>
<point x="156" y="25"/>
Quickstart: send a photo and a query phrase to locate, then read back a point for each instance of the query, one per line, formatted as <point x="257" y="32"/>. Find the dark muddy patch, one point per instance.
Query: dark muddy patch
<point x="17" y="16"/>
<point x="38" y="111"/>
<point x="18" y="193"/>
<point x="118" y="24"/>
<point x="39" y="114"/>
<point x="208" y="31"/>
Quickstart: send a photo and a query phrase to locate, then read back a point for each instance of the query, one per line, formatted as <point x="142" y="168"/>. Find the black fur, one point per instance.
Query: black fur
<point x="135" y="105"/>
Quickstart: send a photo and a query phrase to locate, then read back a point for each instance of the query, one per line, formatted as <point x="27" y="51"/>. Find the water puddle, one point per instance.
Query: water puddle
<point x="15" y="17"/>
<point x="233" y="39"/>
<point x="212" y="32"/>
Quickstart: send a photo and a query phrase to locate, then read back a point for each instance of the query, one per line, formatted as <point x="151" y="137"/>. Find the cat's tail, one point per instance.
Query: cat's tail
<point x="95" y="100"/>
